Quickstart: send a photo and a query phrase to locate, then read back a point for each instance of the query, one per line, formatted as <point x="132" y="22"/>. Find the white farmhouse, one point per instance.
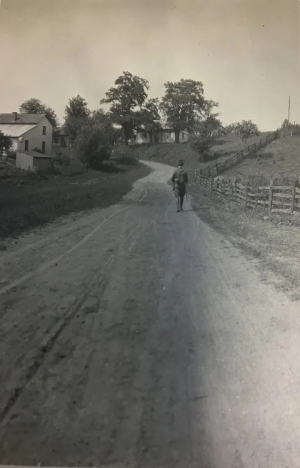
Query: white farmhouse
<point x="28" y="132"/>
<point x="164" y="135"/>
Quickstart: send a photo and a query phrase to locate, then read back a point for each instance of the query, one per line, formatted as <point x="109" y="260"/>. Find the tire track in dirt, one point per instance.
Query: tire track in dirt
<point x="51" y="242"/>
<point x="76" y="226"/>
<point x="37" y="357"/>
<point x="47" y="265"/>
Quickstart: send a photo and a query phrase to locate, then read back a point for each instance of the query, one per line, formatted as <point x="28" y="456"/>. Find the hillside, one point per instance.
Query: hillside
<point x="170" y="153"/>
<point x="281" y="159"/>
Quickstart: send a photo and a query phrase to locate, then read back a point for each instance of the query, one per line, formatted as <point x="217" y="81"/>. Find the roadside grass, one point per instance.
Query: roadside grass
<point x="280" y="159"/>
<point x="31" y="200"/>
<point x="170" y="153"/>
<point x="273" y="240"/>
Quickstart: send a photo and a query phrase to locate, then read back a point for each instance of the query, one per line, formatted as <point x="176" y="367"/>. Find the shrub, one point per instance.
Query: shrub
<point x="124" y="154"/>
<point x="202" y="146"/>
<point x="65" y="160"/>
<point x="94" y="142"/>
<point x="11" y="154"/>
<point x="5" y="142"/>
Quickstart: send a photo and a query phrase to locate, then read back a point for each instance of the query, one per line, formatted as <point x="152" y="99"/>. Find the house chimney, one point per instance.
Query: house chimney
<point x="16" y="116"/>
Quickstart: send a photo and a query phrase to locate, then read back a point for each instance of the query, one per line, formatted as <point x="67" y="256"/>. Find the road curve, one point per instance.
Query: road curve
<point x="138" y="336"/>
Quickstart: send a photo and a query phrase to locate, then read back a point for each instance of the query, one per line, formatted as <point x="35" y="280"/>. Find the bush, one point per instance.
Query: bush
<point x="11" y="154"/>
<point x="124" y="154"/>
<point x="65" y="160"/>
<point x="202" y="146"/>
<point x="5" y="142"/>
<point x="57" y="159"/>
<point x="94" y="142"/>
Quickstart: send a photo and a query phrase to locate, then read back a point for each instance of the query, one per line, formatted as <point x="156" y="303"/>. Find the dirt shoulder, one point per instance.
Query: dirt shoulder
<point x="30" y="201"/>
<point x="272" y="239"/>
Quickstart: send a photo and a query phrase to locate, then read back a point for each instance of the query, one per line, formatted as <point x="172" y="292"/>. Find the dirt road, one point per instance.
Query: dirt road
<point x="138" y="336"/>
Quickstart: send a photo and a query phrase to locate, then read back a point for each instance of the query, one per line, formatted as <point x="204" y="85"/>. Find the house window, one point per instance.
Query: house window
<point x="44" y="130"/>
<point x="43" y="146"/>
<point x="26" y="145"/>
<point x="55" y="140"/>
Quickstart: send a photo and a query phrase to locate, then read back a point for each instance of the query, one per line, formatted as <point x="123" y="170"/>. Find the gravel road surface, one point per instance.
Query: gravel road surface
<point x="138" y="336"/>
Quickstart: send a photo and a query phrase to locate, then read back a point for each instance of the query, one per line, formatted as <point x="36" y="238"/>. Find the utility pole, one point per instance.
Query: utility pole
<point x="289" y="113"/>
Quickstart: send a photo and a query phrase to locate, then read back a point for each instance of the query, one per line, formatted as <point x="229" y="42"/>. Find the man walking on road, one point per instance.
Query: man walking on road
<point x="180" y="180"/>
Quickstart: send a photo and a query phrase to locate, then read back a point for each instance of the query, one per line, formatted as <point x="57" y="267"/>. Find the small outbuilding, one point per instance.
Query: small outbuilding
<point x="33" y="161"/>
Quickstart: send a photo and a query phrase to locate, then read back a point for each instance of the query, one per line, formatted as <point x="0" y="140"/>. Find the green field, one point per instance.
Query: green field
<point x="170" y="153"/>
<point x="280" y="159"/>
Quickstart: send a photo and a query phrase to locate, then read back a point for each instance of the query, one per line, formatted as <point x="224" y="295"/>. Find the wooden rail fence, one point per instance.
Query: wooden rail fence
<point x="273" y="198"/>
<point x="214" y="170"/>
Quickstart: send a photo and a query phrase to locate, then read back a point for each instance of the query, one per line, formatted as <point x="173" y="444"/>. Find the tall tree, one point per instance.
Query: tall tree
<point x="77" y="107"/>
<point x="149" y="117"/>
<point x="184" y="105"/>
<point x="126" y="99"/>
<point x="247" y="129"/>
<point x="205" y="134"/>
<point x="35" y="106"/>
<point x="76" y="113"/>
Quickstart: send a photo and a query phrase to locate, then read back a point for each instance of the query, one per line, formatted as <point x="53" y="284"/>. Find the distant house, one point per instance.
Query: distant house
<point x="165" y="135"/>
<point x="60" y="143"/>
<point x="27" y="131"/>
<point x="217" y="132"/>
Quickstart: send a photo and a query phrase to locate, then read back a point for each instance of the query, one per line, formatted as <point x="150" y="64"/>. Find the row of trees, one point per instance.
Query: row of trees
<point x="183" y="107"/>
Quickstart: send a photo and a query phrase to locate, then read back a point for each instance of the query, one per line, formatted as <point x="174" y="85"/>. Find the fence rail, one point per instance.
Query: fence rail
<point x="214" y="170"/>
<point x="274" y="198"/>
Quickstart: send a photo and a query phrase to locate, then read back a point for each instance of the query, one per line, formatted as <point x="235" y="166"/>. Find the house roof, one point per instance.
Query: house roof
<point x="28" y="119"/>
<point x="37" y="155"/>
<point x="15" y="131"/>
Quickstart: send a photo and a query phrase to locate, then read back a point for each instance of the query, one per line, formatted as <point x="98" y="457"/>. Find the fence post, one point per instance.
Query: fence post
<point x="211" y="184"/>
<point x="270" y="196"/>
<point x="293" y="196"/>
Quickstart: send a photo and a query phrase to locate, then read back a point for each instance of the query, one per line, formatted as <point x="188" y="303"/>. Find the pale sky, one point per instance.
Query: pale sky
<point x="245" y="52"/>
